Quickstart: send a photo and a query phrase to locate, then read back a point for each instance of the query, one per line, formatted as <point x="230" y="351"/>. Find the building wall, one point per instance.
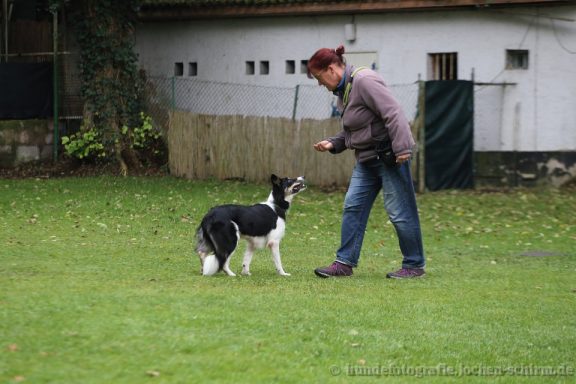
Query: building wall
<point x="534" y="112"/>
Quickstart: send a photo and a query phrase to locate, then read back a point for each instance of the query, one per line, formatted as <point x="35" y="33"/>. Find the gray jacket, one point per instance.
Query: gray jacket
<point x="372" y="114"/>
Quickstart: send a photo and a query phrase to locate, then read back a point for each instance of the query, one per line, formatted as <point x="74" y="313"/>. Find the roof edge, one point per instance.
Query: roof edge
<point x="187" y="12"/>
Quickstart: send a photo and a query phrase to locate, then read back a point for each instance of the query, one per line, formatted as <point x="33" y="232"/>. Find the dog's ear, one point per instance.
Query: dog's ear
<point x="275" y="179"/>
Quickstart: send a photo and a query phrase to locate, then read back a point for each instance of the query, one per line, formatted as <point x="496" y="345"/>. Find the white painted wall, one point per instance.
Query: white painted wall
<point x="538" y="113"/>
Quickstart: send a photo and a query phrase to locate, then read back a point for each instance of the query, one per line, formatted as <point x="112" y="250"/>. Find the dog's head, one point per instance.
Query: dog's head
<point x="284" y="189"/>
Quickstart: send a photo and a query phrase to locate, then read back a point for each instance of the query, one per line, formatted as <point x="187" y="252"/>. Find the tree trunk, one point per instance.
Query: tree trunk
<point x="109" y="74"/>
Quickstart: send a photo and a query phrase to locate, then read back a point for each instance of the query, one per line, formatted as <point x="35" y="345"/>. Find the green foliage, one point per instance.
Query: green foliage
<point x="108" y="61"/>
<point x="111" y="86"/>
<point x="84" y="144"/>
<point x="89" y="144"/>
<point x="99" y="284"/>
<point x="144" y="135"/>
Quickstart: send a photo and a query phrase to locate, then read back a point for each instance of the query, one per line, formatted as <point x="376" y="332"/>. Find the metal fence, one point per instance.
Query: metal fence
<point x="68" y="82"/>
<point x="215" y="98"/>
<point x="205" y="117"/>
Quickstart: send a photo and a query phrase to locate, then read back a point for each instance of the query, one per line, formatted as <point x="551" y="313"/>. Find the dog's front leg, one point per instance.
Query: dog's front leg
<point x="275" y="248"/>
<point x="247" y="259"/>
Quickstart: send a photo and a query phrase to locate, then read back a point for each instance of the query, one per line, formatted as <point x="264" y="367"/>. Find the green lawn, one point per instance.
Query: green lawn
<point x="99" y="284"/>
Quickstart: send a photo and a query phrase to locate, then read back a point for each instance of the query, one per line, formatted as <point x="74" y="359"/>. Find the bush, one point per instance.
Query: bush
<point x="84" y="145"/>
<point x="145" y="139"/>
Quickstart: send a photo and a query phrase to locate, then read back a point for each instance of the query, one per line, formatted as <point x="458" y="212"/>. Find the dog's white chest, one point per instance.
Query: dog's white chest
<point x="275" y="235"/>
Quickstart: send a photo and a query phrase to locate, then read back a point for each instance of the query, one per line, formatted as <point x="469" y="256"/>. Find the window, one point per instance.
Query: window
<point x="443" y="66"/>
<point x="304" y="66"/>
<point x="516" y="59"/>
<point x="290" y="67"/>
<point x="192" y="69"/>
<point x="264" y="67"/>
<point x="250" y="69"/>
<point x="178" y="69"/>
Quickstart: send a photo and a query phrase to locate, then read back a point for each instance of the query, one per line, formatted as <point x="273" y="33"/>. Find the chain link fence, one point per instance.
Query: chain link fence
<point x="70" y="103"/>
<point x="215" y="98"/>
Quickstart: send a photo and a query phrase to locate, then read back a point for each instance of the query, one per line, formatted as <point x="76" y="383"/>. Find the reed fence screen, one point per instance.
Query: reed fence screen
<point x="252" y="148"/>
<point x="236" y="131"/>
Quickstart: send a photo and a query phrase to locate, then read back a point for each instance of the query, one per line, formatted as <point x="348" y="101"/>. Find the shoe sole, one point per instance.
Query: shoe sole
<point x="402" y="278"/>
<point x="322" y="275"/>
<point x="325" y="275"/>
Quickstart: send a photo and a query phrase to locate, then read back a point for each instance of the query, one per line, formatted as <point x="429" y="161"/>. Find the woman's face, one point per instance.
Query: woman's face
<point x="329" y="77"/>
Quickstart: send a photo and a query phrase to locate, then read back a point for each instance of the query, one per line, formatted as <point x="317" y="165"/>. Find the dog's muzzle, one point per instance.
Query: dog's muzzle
<point x="299" y="185"/>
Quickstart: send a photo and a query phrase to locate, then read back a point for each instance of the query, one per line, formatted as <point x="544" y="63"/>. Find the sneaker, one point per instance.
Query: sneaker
<point x="406" y="273"/>
<point x="336" y="269"/>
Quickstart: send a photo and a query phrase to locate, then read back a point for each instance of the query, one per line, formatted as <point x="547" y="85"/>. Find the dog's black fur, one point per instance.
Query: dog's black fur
<point x="260" y="224"/>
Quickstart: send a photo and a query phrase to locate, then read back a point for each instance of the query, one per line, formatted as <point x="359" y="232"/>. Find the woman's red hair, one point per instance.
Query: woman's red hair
<point x="324" y="57"/>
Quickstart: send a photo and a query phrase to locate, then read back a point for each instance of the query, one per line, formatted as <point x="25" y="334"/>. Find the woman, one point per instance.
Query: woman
<point x="375" y="127"/>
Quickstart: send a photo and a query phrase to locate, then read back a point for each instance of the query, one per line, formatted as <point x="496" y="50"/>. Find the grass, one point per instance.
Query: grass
<point x="99" y="284"/>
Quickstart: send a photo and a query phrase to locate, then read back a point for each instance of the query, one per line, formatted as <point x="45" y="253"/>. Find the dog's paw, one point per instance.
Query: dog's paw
<point x="246" y="273"/>
<point x="282" y="273"/>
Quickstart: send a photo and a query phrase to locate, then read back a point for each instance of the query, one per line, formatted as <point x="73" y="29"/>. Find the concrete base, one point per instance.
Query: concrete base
<point x="22" y="141"/>
<point x="524" y="169"/>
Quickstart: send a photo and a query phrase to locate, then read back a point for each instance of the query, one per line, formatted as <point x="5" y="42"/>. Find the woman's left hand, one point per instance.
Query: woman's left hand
<point x="402" y="158"/>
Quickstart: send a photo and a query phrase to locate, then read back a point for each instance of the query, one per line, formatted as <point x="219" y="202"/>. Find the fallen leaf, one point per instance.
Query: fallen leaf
<point x="153" y="373"/>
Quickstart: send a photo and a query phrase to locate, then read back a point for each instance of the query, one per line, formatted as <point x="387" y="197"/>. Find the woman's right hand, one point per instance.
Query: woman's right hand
<point x="323" y="146"/>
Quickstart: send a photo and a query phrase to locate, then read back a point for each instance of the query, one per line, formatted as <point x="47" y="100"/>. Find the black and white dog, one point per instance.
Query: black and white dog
<point x="262" y="225"/>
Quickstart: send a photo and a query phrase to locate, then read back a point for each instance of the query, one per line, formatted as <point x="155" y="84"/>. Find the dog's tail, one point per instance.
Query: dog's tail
<point x="203" y="243"/>
<point x="205" y="246"/>
<point x="211" y="265"/>
<point x="217" y="241"/>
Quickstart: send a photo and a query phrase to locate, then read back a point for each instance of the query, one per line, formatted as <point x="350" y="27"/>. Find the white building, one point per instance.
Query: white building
<point x="521" y="54"/>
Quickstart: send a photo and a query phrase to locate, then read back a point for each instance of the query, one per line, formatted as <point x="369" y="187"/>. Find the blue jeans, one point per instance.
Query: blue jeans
<point x="400" y="204"/>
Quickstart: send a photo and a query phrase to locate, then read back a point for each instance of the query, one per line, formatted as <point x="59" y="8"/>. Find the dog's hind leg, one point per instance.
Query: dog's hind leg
<point x="275" y="248"/>
<point x="225" y="238"/>
<point x="247" y="259"/>
<point x="226" y="267"/>
<point x="234" y="237"/>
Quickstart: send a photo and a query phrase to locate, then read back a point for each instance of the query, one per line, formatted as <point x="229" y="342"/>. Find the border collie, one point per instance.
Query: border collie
<point x="262" y="225"/>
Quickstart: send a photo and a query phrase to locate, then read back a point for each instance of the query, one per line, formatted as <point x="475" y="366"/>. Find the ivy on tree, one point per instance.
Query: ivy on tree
<point x="111" y="86"/>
